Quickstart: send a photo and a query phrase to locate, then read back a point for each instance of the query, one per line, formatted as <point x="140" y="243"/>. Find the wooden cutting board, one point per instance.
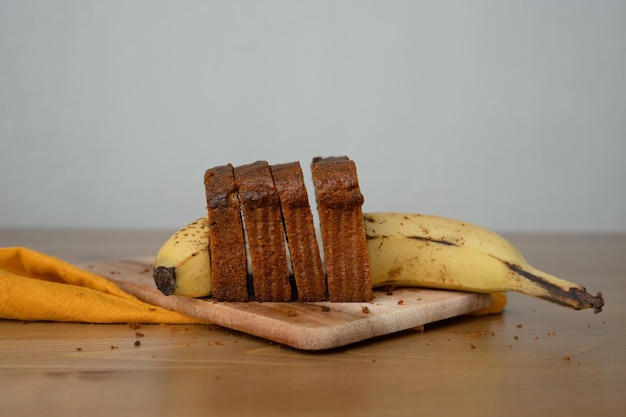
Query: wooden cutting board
<point x="308" y="326"/>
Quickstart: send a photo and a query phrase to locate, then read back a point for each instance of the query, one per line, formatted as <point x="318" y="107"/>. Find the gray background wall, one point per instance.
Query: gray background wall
<point x="510" y="114"/>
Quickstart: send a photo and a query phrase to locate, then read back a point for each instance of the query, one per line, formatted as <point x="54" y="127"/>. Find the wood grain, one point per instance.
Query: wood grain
<point x="534" y="359"/>
<point x="308" y="326"/>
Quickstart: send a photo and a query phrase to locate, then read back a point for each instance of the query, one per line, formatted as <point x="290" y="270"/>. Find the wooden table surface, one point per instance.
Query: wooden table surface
<point x="534" y="359"/>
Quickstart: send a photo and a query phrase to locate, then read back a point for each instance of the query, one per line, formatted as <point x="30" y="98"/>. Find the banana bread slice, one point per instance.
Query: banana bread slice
<point x="226" y="236"/>
<point x="263" y="224"/>
<point x="340" y="202"/>
<point x="300" y="231"/>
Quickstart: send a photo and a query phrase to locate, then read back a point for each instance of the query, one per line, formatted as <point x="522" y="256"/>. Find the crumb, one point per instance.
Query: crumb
<point x="139" y="334"/>
<point x="519" y="326"/>
<point x="365" y="310"/>
<point x="218" y="343"/>
<point x="373" y="360"/>
<point x="78" y="349"/>
<point x="493" y="333"/>
<point x="325" y="308"/>
<point x="536" y="337"/>
<point x="134" y="325"/>
<point x="292" y="313"/>
<point x="137" y="343"/>
<point x="516" y="337"/>
<point x="217" y="377"/>
<point x="566" y="358"/>
<point x="400" y="302"/>
<point x="113" y="347"/>
<point x="471" y="345"/>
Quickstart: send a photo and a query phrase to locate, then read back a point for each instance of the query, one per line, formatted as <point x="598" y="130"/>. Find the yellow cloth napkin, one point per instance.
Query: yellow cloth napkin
<point x="38" y="287"/>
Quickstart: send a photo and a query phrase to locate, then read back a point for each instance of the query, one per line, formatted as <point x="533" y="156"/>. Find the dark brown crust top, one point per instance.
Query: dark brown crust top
<point x="300" y="230"/>
<point x="336" y="182"/>
<point x="263" y="223"/>
<point x="226" y="236"/>
<point x="340" y="203"/>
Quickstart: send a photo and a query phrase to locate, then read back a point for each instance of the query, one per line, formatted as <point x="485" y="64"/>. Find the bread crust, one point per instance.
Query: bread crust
<point x="226" y="235"/>
<point x="340" y="202"/>
<point x="263" y="224"/>
<point x="302" y="242"/>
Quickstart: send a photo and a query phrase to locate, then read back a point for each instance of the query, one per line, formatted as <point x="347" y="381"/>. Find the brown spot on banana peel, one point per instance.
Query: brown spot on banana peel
<point x="576" y="297"/>
<point x="165" y="279"/>
<point x="422" y="238"/>
<point x="438" y="241"/>
<point x="394" y="273"/>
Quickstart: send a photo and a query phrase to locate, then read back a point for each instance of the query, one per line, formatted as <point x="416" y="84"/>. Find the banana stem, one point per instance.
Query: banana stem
<point x="559" y="291"/>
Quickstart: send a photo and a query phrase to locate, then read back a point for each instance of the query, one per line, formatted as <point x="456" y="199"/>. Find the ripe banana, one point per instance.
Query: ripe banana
<point x="409" y="250"/>
<point x="183" y="264"/>
<point x="436" y="252"/>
